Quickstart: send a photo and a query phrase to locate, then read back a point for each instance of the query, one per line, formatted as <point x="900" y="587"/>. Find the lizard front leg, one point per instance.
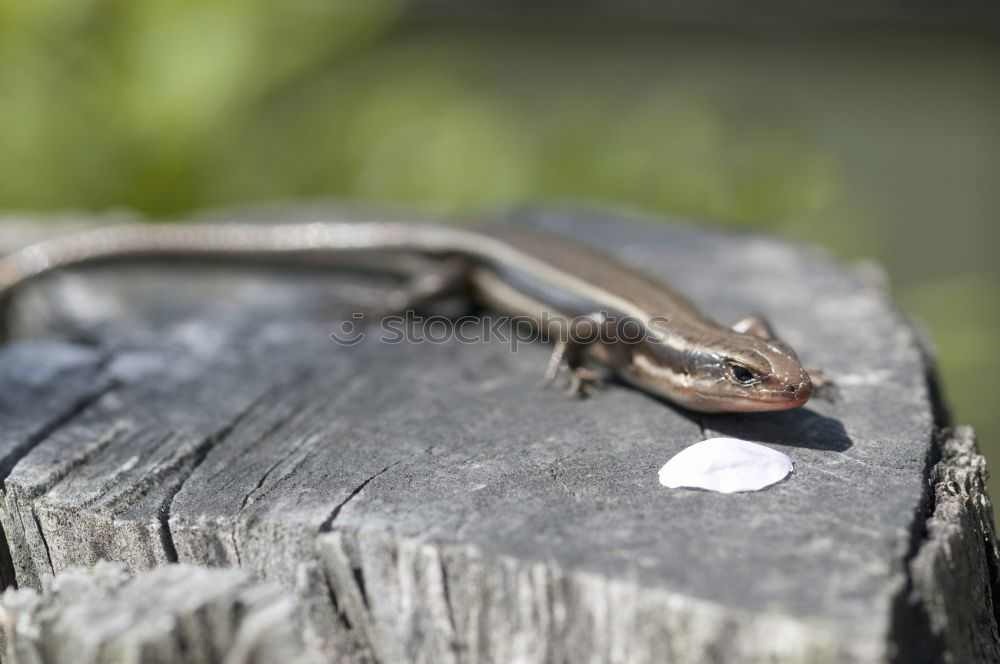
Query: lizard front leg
<point x="570" y="353"/>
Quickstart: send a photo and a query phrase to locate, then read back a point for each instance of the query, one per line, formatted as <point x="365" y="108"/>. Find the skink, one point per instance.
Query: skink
<point x="670" y="349"/>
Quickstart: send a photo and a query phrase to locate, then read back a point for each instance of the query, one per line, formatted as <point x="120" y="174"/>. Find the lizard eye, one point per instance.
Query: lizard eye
<point x="741" y="375"/>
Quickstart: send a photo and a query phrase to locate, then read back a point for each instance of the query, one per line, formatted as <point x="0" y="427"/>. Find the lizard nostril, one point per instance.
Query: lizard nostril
<point x="805" y="390"/>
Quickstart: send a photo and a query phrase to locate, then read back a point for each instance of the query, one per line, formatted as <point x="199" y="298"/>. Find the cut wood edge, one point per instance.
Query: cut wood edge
<point x="951" y="604"/>
<point x="174" y="613"/>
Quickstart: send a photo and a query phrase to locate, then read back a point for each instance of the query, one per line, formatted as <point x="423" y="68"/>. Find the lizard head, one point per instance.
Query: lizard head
<point x="758" y="374"/>
<point x="731" y="373"/>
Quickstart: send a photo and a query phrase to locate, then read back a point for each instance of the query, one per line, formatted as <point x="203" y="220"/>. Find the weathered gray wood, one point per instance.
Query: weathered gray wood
<point x="958" y="550"/>
<point x="175" y="613"/>
<point x="430" y="502"/>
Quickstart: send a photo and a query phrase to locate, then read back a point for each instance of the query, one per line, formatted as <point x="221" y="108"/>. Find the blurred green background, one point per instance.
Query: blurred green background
<point x="878" y="140"/>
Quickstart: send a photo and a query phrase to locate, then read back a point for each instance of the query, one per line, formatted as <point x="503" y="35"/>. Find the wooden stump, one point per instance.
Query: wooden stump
<point x="175" y="613"/>
<point x="431" y="502"/>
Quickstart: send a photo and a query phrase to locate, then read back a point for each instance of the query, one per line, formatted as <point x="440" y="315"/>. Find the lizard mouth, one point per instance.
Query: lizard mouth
<point x="785" y="397"/>
<point x="791" y="394"/>
<point x="730" y="405"/>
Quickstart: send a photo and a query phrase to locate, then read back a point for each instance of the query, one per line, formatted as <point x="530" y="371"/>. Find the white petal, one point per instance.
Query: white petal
<point x="726" y="465"/>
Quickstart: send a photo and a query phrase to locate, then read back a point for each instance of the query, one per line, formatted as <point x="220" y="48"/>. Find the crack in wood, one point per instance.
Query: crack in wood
<point x="446" y="594"/>
<point x="327" y="524"/>
<point x="338" y="610"/>
<point x="8" y="576"/>
<point x="45" y="542"/>
<point x="260" y="483"/>
<point x="267" y="473"/>
<point x="359" y="581"/>
<point x="236" y="545"/>
<point x="198" y="456"/>
<point x="356" y="572"/>
<point x="31" y="492"/>
<point x="24" y="448"/>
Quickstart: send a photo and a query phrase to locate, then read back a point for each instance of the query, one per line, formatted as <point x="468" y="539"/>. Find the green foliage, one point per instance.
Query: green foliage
<point x="124" y="103"/>
<point x="165" y="106"/>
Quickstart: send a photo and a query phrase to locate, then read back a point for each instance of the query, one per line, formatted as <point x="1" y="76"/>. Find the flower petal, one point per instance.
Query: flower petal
<point x="726" y="465"/>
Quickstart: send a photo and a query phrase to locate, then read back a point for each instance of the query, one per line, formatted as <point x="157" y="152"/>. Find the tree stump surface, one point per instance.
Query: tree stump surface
<point x="432" y="502"/>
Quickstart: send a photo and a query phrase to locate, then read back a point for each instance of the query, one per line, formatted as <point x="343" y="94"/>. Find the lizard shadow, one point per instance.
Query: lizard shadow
<point x="798" y="427"/>
<point x="801" y="427"/>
